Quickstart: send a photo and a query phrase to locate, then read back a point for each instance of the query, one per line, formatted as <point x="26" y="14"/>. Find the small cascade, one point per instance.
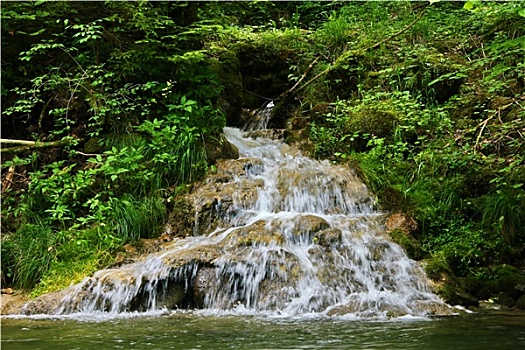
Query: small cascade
<point x="291" y="236"/>
<point x="259" y="118"/>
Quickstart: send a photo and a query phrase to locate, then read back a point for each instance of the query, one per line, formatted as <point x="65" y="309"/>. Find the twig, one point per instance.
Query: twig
<point x="483" y="124"/>
<point x="253" y="93"/>
<point x="44" y="110"/>
<point x="91" y="154"/>
<point x="8" y="181"/>
<point x="308" y="69"/>
<point x="314" y="78"/>
<point x="400" y="32"/>
<point x="368" y="48"/>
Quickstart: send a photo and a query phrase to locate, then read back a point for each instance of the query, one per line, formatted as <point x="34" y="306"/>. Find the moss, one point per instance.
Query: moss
<point x="220" y="148"/>
<point x="436" y="268"/>
<point x="504" y="299"/>
<point x="92" y="145"/>
<point x="182" y="218"/>
<point x="62" y="274"/>
<point x="454" y="295"/>
<point x="520" y="304"/>
<point x="409" y="244"/>
<point x="231" y="97"/>
<point x="508" y="280"/>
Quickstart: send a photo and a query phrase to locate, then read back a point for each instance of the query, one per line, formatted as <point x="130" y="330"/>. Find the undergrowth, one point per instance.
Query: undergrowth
<point x="435" y="126"/>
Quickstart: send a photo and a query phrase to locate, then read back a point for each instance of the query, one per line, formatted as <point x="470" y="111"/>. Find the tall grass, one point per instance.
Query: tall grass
<point x="335" y="34"/>
<point x="504" y="211"/>
<point x="32" y="250"/>
<point x="137" y="218"/>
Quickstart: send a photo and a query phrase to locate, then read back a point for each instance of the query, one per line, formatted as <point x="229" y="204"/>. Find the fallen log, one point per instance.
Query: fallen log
<point x="30" y="145"/>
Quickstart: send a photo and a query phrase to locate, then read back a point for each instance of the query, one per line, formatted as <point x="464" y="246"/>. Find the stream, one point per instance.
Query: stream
<point x="201" y="331"/>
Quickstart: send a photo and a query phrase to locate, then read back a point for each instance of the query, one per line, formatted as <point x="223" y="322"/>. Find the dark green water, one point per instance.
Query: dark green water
<point x="187" y="331"/>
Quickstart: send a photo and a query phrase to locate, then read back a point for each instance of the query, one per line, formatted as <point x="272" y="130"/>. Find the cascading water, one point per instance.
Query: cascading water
<point x="305" y="240"/>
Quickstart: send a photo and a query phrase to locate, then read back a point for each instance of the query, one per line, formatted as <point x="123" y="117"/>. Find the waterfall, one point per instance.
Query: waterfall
<point x="307" y="239"/>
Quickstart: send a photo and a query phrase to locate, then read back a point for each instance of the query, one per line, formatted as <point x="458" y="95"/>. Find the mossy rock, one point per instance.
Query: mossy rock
<point x="437" y="269"/>
<point x="477" y="287"/>
<point x="504" y="299"/>
<point x="409" y="244"/>
<point x="503" y="281"/>
<point x="391" y="199"/>
<point x="520" y="304"/>
<point x="509" y="280"/>
<point x="181" y="220"/>
<point x="373" y="121"/>
<point x="456" y="296"/>
<point x="92" y="145"/>
<point x="220" y="148"/>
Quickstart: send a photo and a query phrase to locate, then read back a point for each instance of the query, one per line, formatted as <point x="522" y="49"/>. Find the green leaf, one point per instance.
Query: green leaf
<point x="38" y="32"/>
<point x="468" y="5"/>
<point x="522" y="12"/>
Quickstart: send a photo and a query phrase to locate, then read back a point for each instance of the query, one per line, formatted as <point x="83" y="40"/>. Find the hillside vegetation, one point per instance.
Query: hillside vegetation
<point x="122" y="102"/>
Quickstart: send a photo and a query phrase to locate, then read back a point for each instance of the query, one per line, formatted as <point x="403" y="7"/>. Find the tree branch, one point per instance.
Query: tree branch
<point x="400" y="32"/>
<point x="29" y="145"/>
<point x="376" y="45"/>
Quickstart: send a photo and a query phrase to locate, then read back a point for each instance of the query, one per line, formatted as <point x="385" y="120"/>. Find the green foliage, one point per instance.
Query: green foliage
<point x="434" y="129"/>
<point x="29" y="253"/>
<point x="334" y="33"/>
<point x="504" y="212"/>
<point x="134" y="218"/>
<point x="122" y="80"/>
<point x="464" y="248"/>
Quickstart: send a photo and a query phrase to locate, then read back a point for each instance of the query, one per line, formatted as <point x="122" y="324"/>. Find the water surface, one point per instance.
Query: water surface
<point x="194" y="331"/>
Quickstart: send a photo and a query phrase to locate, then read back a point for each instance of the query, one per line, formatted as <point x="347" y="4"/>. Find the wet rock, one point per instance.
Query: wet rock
<point x="456" y="296"/>
<point x="220" y="148"/>
<point x="309" y="224"/>
<point x="492" y="305"/>
<point x="255" y="234"/>
<point x="240" y="167"/>
<point x="205" y="279"/>
<point x="202" y="255"/>
<point x="371" y="309"/>
<point x="169" y="295"/>
<point x="181" y="219"/>
<point x="410" y="245"/>
<point x="504" y="299"/>
<point x="215" y="202"/>
<point x="329" y="237"/>
<point x="339" y="184"/>
<point x="45" y="304"/>
<point x="272" y="292"/>
<point x="10" y="303"/>
<point x="273" y="134"/>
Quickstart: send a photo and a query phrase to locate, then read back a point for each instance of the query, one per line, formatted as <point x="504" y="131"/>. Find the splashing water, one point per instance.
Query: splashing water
<point x="309" y="241"/>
